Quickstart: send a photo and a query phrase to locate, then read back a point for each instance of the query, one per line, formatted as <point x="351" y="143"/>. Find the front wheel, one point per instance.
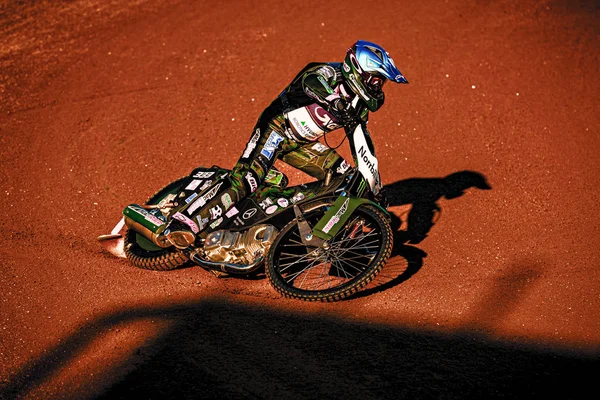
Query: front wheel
<point x="142" y="253"/>
<point x="340" y="268"/>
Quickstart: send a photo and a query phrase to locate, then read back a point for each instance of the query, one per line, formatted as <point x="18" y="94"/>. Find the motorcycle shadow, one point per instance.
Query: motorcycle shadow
<point x="417" y="212"/>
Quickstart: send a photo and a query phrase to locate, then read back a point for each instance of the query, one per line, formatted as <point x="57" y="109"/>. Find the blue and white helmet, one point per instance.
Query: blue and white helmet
<point x="366" y="68"/>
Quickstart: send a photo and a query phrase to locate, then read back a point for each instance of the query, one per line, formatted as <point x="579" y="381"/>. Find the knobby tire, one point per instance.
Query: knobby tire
<point x="346" y="289"/>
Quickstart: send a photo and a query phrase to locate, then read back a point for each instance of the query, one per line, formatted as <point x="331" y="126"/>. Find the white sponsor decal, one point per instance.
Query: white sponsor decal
<point x="367" y="162"/>
<point x="282" y="202"/>
<point x="215" y="212"/>
<point x="204" y="199"/>
<point x="203" y="174"/>
<point x="249" y="213"/>
<point x="343" y="167"/>
<point x="265" y="203"/>
<point x="180" y="217"/>
<point x="202" y="221"/>
<point x="272" y="209"/>
<point x="193" y="184"/>
<point x="238" y="221"/>
<point x="251" y="181"/>
<point x="336" y="218"/>
<point x="297" y="197"/>
<point x="303" y="124"/>
<point x="251" y="144"/>
<point x="232" y="211"/>
<point x="324" y="117"/>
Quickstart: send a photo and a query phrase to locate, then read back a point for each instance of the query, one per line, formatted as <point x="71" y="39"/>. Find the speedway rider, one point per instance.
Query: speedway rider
<point x="316" y="102"/>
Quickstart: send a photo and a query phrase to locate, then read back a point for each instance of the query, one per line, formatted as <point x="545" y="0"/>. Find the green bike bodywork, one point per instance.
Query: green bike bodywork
<point x="335" y="218"/>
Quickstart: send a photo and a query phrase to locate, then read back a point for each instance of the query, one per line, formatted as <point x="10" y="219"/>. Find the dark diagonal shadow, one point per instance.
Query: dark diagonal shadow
<point x="219" y="349"/>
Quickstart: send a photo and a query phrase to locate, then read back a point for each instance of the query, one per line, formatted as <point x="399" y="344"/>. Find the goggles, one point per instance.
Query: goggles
<point x="373" y="82"/>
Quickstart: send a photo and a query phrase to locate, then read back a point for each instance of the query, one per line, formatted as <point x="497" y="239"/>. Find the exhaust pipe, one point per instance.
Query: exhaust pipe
<point x="146" y="224"/>
<point x="234" y="269"/>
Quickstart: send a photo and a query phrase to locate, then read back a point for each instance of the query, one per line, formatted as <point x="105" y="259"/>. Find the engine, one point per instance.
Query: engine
<point x="239" y="247"/>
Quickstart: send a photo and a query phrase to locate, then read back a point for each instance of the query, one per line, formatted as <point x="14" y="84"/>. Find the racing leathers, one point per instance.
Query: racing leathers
<point x="289" y="129"/>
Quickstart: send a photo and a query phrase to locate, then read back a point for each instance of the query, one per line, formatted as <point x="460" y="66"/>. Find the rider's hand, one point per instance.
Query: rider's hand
<point x="341" y="112"/>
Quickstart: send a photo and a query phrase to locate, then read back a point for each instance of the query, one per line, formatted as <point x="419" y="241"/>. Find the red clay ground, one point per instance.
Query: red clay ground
<point x="102" y="104"/>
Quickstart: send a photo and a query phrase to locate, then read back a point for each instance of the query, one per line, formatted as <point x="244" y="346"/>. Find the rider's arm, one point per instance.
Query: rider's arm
<point x="318" y="83"/>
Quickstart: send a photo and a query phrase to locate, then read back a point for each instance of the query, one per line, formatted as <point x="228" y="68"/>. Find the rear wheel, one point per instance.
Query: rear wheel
<point x="343" y="266"/>
<point x="142" y="253"/>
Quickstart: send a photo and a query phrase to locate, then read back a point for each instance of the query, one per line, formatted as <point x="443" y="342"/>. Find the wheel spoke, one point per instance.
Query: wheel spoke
<point x="352" y="266"/>
<point x="356" y="257"/>
<point x="307" y="274"/>
<point x="373" y="232"/>
<point x="295" y="275"/>
<point x="355" y="245"/>
<point x="288" y="265"/>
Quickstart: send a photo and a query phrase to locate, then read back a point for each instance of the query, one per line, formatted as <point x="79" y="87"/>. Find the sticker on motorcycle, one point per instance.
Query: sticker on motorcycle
<point x="226" y="200"/>
<point x="233" y="211"/>
<point x="202" y="222"/>
<point x="206" y="184"/>
<point x="216" y="223"/>
<point x="283" y="202"/>
<point x="180" y="217"/>
<point x="193" y="184"/>
<point x="215" y="212"/>
<point x="192" y="197"/>
<point x="336" y="217"/>
<point x="203" y="174"/>
<point x="205" y="198"/>
<point x="297" y="197"/>
<point x="343" y="167"/>
<point x="272" y="209"/>
<point x="249" y="213"/>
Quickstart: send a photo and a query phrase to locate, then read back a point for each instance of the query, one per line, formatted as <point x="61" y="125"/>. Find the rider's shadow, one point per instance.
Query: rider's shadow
<point x="422" y="196"/>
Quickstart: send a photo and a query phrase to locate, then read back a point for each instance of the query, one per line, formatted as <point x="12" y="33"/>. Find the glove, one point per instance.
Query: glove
<point x="342" y="113"/>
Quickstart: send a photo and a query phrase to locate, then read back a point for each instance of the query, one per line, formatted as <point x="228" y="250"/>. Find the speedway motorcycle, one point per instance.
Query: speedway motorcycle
<point x="320" y="241"/>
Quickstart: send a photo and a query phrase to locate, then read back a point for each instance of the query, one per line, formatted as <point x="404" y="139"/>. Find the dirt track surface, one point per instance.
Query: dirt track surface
<point x="102" y="104"/>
